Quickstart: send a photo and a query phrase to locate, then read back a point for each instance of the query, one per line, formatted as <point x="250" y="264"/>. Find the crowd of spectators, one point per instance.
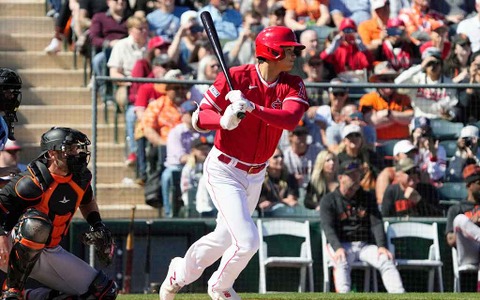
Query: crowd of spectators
<point x="379" y="41"/>
<point x="362" y="41"/>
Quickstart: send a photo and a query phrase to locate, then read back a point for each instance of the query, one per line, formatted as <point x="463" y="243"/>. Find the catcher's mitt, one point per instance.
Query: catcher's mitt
<point x="101" y="238"/>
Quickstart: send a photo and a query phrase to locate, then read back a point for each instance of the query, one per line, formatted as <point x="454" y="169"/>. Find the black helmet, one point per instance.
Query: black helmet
<point x="10" y="97"/>
<point x="58" y="137"/>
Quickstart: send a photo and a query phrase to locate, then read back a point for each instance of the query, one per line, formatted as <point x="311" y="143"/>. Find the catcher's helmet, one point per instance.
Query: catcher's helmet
<point x="269" y="42"/>
<point x="58" y="137"/>
<point x="10" y="98"/>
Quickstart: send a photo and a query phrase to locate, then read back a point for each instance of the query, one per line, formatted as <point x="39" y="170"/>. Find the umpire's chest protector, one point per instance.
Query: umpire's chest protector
<point x="58" y="196"/>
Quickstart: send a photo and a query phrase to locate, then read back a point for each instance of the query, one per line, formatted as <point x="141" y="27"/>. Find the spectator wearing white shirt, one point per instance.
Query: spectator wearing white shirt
<point x="471" y="27"/>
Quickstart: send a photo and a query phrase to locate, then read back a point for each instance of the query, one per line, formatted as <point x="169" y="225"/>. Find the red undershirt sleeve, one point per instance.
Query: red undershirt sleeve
<point x="208" y="118"/>
<point x="285" y="118"/>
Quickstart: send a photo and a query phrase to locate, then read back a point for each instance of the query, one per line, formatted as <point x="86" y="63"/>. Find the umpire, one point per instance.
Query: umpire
<point x="36" y="209"/>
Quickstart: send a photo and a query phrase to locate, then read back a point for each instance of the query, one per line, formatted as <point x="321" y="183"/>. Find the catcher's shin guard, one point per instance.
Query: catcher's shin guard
<point x="30" y="236"/>
<point x="101" y="288"/>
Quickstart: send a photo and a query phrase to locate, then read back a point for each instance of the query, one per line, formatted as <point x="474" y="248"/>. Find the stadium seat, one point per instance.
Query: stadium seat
<point x="303" y="260"/>
<point x="445" y="130"/>
<point x="369" y="271"/>
<point x="450" y="147"/>
<point x="385" y="149"/>
<point x="452" y="192"/>
<point x="457" y="270"/>
<point x="406" y="260"/>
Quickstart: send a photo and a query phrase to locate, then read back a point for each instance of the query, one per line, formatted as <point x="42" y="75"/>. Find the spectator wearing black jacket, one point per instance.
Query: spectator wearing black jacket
<point x="353" y="227"/>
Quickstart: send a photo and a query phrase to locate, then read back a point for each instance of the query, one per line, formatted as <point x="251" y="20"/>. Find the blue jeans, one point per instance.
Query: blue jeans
<point x="130" y="118"/>
<point x="141" y="158"/>
<point x="167" y="182"/>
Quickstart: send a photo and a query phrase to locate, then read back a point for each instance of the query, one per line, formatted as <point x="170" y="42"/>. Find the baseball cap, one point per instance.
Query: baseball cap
<point x="349" y="129"/>
<point x="468" y="131"/>
<point x="461" y="39"/>
<point x="337" y="89"/>
<point x="432" y="51"/>
<point x="383" y="72"/>
<point x="347" y="23"/>
<point x="376" y="4"/>
<point x="188" y="107"/>
<point x="12" y="145"/>
<point x="202" y="140"/>
<point x="421" y="122"/>
<point x="471" y="173"/>
<point x="403" y="146"/>
<point x="187" y="16"/>
<point x="405" y="164"/>
<point x="173" y="74"/>
<point x="157" y="42"/>
<point x="349" y="166"/>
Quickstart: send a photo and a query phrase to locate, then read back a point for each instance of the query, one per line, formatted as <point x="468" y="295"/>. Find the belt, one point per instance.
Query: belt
<point x="250" y="169"/>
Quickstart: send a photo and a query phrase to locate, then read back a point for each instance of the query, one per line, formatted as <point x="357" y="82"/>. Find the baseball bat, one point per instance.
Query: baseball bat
<point x="217" y="49"/>
<point x="127" y="279"/>
<point x="147" y="258"/>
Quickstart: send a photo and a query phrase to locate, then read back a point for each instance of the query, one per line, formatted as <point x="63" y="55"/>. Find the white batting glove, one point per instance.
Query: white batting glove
<point x="237" y="96"/>
<point x="229" y="120"/>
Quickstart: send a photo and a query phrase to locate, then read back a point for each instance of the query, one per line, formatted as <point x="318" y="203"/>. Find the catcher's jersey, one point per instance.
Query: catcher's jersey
<point x="253" y="141"/>
<point x="60" y="200"/>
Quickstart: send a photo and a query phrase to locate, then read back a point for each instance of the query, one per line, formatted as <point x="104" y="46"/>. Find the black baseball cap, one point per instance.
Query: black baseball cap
<point x="349" y="166"/>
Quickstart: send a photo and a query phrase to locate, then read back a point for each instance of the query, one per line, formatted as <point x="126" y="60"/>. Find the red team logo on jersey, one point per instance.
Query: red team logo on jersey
<point x="277" y="104"/>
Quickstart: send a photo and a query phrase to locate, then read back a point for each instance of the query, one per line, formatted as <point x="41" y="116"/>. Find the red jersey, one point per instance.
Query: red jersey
<point x="254" y="140"/>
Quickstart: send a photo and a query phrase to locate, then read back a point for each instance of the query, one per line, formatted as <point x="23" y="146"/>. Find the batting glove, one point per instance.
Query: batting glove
<point x="229" y="120"/>
<point x="237" y="96"/>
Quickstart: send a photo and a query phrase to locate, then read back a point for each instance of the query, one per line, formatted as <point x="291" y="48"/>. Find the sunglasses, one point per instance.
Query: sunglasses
<point x="349" y="30"/>
<point x="277" y="156"/>
<point x="12" y="152"/>
<point x="413" y="171"/>
<point x="354" y="135"/>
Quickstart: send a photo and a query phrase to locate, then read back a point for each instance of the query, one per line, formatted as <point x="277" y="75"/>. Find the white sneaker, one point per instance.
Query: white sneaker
<point x="229" y="294"/>
<point x="170" y="286"/>
<point x="53" y="47"/>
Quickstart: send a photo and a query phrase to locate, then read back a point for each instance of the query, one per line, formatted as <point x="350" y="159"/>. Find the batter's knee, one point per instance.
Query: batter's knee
<point x="250" y="245"/>
<point x="34" y="226"/>
<point x="101" y="288"/>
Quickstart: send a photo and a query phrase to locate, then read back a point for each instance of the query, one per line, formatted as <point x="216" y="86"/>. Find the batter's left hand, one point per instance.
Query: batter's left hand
<point x="237" y="96"/>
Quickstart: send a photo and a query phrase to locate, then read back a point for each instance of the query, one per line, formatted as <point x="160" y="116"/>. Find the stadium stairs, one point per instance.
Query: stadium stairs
<point x="54" y="94"/>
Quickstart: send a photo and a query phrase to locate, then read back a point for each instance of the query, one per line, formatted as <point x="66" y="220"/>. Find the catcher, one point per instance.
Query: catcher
<point x="36" y="209"/>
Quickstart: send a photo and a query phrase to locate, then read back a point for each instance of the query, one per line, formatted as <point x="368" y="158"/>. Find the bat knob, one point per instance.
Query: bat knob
<point x="241" y="115"/>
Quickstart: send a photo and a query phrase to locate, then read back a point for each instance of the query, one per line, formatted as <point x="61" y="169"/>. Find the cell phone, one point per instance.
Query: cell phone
<point x="196" y="29"/>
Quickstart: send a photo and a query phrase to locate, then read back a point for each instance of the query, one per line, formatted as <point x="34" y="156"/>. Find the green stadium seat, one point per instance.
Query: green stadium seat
<point x="450" y="147"/>
<point x="445" y="130"/>
<point x="452" y="192"/>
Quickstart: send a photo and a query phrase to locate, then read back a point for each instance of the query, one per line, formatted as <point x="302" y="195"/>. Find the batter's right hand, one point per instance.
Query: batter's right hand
<point x="229" y="120"/>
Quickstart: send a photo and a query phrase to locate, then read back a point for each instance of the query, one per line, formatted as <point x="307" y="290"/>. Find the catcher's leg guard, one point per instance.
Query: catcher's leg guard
<point x="30" y="236"/>
<point x="101" y="288"/>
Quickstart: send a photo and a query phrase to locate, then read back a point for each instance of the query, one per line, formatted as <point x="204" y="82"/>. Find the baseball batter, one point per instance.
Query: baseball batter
<point x="273" y="100"/>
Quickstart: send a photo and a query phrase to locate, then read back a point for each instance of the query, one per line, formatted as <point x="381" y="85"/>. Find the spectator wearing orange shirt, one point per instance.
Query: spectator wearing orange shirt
<point x="301" y="14"/>
<point x="374" y="31"/>
<point x="164" y="113"/>
<point x="418" y="20"/>
<point x="386" y="109"/>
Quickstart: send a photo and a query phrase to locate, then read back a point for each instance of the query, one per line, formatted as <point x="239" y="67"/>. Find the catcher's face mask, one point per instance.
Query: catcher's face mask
<point x="77" y="156"/>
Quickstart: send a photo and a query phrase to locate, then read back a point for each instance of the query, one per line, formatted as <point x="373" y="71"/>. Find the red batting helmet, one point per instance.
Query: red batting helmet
<point x="269" y="42"/>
